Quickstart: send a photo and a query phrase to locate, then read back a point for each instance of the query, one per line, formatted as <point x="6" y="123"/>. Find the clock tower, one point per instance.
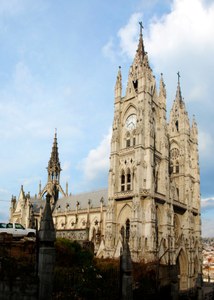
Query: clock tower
<point x="138" y="175"/>
<point x="154" y="177"/>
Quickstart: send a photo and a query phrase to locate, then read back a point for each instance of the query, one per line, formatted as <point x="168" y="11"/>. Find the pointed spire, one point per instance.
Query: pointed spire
<point x="118" y="85"/>
<point x="22" y="193"/>
<point x="140" y="49"/>
<point x="178" y="92"/>
<point x="194" y="126"/>
<point x="54" y="163"/>
<point x="40" y="188"/>
<point x="162" y="87"/>
<point x="66" y="189"/>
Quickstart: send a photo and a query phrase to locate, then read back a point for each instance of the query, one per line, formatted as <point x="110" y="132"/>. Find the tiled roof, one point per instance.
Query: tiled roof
<point x="83" y="199"/>
<point x="72" y="200"/>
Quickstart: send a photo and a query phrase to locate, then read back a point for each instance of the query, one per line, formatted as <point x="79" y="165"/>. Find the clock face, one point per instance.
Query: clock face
<point x="131" y="122"/>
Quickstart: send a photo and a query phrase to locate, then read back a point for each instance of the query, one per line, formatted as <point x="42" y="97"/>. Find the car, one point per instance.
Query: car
<point x="17" y="230"/>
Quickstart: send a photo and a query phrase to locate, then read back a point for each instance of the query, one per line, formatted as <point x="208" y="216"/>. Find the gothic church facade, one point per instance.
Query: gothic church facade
<point x="154" y="182"/>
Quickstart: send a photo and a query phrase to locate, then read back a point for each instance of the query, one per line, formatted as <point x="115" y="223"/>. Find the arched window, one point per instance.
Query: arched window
<point x="177" y="226"/>
<point x="177" y="190"/>
<point x="176" y="125"/>
<point x="177" y="167"/>
<point x="127" y="228"/>
<point x="174" y="160"/>
<point x="122" y="181"/>
<point x="128" y="176"/>
<point x="128" y="141"/>
<point x="171" y="169"/>
<point x="133" y="138"/>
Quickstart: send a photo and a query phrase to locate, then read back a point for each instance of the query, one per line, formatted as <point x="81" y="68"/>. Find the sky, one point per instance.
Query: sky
<point x="58" y="67"/>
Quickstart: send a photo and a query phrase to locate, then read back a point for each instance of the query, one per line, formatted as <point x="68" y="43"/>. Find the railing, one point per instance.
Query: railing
<point x="124" y="194"/>
<point x="73" y="234"/>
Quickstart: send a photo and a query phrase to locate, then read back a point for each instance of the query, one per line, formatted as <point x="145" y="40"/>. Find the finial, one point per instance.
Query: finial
<point x="55" y="132"/>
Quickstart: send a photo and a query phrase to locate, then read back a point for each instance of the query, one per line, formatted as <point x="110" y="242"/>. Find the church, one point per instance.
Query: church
<point x="153" y="186"/>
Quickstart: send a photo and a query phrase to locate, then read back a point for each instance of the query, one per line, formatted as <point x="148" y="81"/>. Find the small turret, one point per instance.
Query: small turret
<point x="118" y="86"/>
<point x="194" y="128"/>
<point x="40" y="189"/>
<point x="179" y="120"/>
<point x="162" y="91"/>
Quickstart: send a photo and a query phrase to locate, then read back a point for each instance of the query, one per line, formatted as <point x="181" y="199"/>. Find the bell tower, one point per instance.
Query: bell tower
<point x="139" y="154"/>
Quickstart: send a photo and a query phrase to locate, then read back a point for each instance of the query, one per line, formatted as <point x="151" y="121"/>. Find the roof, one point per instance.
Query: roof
<point x="83" y="200"/>
<point x="70" y="202"/>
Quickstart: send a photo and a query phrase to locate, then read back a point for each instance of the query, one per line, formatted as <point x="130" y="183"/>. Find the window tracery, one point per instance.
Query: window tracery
<point x="126" y="180"/>
<point x="174" y="161"/>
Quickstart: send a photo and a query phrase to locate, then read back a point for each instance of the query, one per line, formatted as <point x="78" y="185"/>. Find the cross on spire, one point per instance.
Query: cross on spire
<point x="178" y="76"/>
<point x="141" y="27"/>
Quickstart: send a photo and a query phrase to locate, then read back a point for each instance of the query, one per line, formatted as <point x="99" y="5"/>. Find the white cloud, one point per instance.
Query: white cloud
<point x="178" y="40"/>
<point x="109" y="51"/>
<point x="129" y="34"/>
<point x="97" y="160"/>
<point x="207" y="203"/>
<point x="183" y="28"/>
<point x="182" y="40"/>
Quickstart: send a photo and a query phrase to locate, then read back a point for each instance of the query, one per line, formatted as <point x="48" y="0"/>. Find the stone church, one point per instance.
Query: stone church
<point x="154" y="182"/>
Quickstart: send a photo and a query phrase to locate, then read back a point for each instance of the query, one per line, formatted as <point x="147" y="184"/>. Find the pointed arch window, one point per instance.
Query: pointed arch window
<point x="133" y="138"/>
<point x="174" y="161"/>
<point x="127" y="228"/>
<point x="177" y="167"/>
<point x="123" y="181"/>
<point x="171" y="169"/>
<point x="128" y="141"/>
<point x="128" y="177"/>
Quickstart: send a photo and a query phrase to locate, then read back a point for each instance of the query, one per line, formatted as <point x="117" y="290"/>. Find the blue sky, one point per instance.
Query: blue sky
<point x="58" y="65"/>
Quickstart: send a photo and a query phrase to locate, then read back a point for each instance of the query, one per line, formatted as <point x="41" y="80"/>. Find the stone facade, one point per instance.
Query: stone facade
<point x="154" y="181"/>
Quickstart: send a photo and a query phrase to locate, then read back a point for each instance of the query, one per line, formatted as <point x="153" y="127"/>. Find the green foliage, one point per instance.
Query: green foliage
<point x="79" y="276"/>
<point x="70" y="254"/>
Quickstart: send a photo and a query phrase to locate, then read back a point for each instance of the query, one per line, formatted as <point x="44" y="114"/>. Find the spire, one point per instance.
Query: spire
<point x="54" y="168"/>
<point x="118" y="85"/>
<point x="162" y="87"/>
<point x="140" y="49"/>
<point x="194" y="126"/>
<point x="178" y="92"/>
<point x="22" y="193"/>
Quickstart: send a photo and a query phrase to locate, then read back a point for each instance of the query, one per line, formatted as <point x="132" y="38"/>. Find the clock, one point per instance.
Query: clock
<point x="131" y="122"/>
